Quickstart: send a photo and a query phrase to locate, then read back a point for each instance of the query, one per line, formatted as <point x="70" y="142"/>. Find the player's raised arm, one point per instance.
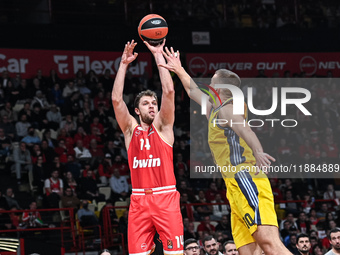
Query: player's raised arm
<point x="167" y="110"/>
<point x="244" y="131"/>
<point x="125" y="120"/>
<point x="174" y="65"/>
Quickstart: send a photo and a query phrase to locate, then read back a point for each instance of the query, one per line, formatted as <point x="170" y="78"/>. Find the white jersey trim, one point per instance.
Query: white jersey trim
<point x="161" y="136"/>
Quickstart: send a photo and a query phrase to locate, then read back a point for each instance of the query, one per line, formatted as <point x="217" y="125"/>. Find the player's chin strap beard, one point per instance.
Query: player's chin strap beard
<point x="146" y="119"/>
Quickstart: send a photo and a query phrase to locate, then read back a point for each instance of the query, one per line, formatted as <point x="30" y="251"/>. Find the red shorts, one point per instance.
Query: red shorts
<point x="150" y="212"/>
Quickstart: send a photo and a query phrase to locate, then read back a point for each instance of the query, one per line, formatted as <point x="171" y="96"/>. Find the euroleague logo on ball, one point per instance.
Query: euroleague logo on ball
<point x="156" y="22"/>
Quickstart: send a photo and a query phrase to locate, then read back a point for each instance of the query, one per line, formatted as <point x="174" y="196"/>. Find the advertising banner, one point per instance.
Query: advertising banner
<point x="249" y="64"/>
<point x="67" y="63"/>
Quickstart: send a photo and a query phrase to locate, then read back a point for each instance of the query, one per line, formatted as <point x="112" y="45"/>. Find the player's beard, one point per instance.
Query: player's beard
<point x="146" y="118"/>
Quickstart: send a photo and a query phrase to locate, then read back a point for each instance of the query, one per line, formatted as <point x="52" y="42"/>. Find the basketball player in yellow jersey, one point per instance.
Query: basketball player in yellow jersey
<point x="253" y="217"/>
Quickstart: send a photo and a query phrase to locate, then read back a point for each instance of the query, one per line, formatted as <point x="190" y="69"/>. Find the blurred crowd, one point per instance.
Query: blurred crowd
<point x="60" y="139"/>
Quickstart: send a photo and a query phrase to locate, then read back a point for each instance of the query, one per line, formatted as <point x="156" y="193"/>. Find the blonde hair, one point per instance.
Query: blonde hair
<point x="224" y="76"/>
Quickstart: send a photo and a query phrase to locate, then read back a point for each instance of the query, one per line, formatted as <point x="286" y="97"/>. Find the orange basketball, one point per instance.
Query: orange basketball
<point x="153" y="29"/>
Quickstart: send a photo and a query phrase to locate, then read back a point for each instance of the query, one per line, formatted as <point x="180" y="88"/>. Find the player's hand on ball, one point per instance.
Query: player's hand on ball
<point x="128" y="54"/>
<point x="263" y="161"/>
<point x="172" y="59"/>
<point x="155" y="48"/>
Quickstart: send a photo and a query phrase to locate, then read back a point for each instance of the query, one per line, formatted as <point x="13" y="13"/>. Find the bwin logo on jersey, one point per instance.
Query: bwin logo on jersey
<point x="144" y="163"/>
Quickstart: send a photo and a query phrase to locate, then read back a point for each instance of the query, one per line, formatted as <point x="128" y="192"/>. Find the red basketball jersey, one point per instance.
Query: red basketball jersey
<point x="150" y="159"/>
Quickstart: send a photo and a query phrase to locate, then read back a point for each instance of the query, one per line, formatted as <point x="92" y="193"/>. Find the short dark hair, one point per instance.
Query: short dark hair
<point x="301" y="236"/>
<point x="189" y="241"/>
<point x="227" y="242"/>
<point x="102" y="251"/>
<point x="334" y="230"/>
<point x="207" y="238"/>
<point x="144" y="93"/>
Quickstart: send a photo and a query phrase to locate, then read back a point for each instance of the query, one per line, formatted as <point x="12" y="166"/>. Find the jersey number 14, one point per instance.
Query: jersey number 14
<point x="147" y="144"/>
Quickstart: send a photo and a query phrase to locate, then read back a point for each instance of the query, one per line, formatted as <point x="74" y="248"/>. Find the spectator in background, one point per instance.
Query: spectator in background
<point x="96" y="153"/>
<point x="54" y="187"/>
<point x="183" y="188"/>
<point x="285" y="231"/>
<point x="106" y="80"/>
<point x="68" y="124"/>
<point x="122" y="166"/>
<point x="334" y="240"/>
<point x="291" y="207"/>
<point x="74" y="167"/>
<point x="54" y="117"/>
<point x="105" y="169"/>
<point x="53" y="78"/>
<point x="8" y="111"/>
<point x="303" y="244"/>
<point x="303" y="223"/>
<point x="190" y="232"/>
<point x="330" y="192"/>
<point x="38" y="118"/>
<point x="41" y="101"/>
<point x="210" y="194"/>
<point x="24" y="90"/>
<point x="306" y="148"/>
<point x="8" y="127"/>
<point x="30" y="139"/>
<point x="69" y="89"/>
<point x="119" y="185"/>
<point x="317" y="249"/>
<point x="69" y="200"/>
<point x="32" y="219"/>
<point x="220" y="209"/>
<point x="22" y="159"/>
<point x="70" y="182"/>
<point x="321" y="214"/>
<point x="290" y="219"/>
<point x="81" y="152"/>
<point x="80" y="135"/>
<point x="291" y="246"/>
<point x="287" y="240"/>
<point x="83" y="122"/>
<point x="202" y="210"/>
<point x="112" y="213"/>
<point x="56" y="95"/>
<point x="48" y="152"/>
<point x="87" y="218"/>
<point x="40" y="174"/>
<point x="5" y="144"/>
<point x="205" y="227"/>
<point x="10" y="197"/>
<point x="89" y="189"/>
<point x="191" y="247"/>
<point x="224" y="226"/>
<point x="210" y="246"/>
<point x="330" y="148"/>
<point x="123" y="224"/>
<point x="22" y="127"/>
<point x="63" y="151"/>
<point x="276" y="191"/>
<point x="229" y="248"/>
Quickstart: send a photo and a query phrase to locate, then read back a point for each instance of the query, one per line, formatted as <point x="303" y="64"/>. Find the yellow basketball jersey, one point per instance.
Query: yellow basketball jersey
<point x="227" y="148"/>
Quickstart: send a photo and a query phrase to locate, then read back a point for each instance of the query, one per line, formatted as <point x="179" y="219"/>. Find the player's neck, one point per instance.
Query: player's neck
<point x="144" y="125"/>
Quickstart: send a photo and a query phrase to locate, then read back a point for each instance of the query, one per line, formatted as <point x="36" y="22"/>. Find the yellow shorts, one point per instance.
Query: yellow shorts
<point x="252" y="203"/>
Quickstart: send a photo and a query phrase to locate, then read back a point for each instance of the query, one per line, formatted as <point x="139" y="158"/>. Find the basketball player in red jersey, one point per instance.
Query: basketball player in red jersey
<point x="154" y="200"/>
